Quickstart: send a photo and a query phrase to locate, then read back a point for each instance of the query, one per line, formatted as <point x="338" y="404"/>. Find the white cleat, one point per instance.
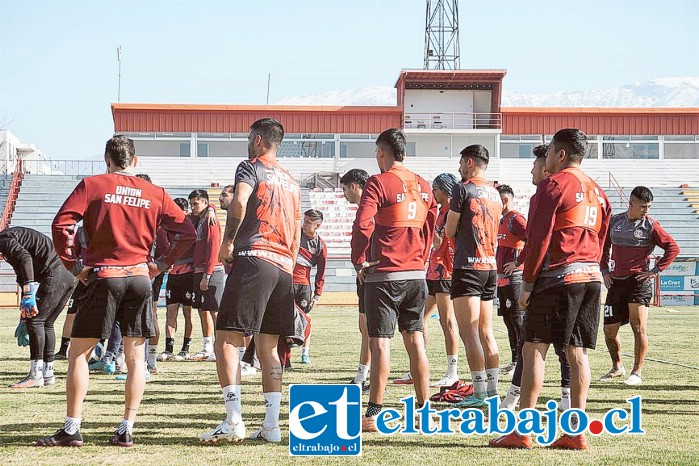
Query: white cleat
<point x="446" y="381"/>
<point x="613" y="374"/>
<point x="224" y="432"/>
<point x="633" y="380"/>
<point x="247" y="370"/>
<point x="181" y="356"/>
<point x="273" y="435"/>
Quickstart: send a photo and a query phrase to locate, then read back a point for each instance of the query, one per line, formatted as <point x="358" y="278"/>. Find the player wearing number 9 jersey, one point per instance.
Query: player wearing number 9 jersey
<point x="395" y="219"/>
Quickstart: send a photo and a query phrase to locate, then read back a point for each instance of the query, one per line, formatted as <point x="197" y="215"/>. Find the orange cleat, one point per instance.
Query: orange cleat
<point x="512" y="440"/>
<point x="369" y="424"/>
<point x="570" y="442"/>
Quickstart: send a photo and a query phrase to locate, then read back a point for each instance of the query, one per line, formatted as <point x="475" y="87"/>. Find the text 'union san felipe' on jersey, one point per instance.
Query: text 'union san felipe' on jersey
<point x="273" y="213"/>
<point x="476" y="239"/>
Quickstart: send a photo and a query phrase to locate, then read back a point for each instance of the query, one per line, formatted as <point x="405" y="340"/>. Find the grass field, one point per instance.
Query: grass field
<point x="185" y="400"/>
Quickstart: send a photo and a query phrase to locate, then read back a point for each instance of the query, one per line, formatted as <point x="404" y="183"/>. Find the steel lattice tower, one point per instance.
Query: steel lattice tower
<point x="442" y="35"/>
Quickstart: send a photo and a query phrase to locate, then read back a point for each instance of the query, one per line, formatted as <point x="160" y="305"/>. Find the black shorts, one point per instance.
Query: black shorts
<point x="179" y="289"/>
<point x="622" y="292"/>
<point x="78" y="294"/>
<point x="258" y="298"/>
<point x="53" y="294"/>
<point x="396" y="300"/>
<point x="564" y="314"/>
<point x="508" y="299"/>
<point x="128" y="300"/>
<point x="302" y="297"/>
<point x="157" y="285"/>
<point x="360" y="296"/>
<point x="209" y="300"/>
<point x="438" y="286"/>
<point x="481" y="283"/>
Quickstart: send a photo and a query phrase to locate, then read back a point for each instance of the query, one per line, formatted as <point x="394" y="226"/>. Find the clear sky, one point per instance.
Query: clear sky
<point x="58" y="60"/>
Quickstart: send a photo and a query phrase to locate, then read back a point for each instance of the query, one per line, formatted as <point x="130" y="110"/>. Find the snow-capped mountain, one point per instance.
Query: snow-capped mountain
<point x="660" y="92"/>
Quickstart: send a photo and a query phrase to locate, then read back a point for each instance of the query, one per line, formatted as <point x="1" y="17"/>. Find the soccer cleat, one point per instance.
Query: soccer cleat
<point x="102" y="366"/>
<point x="570" y="442"/>
<point x="305" y="359"/>
<point x="613" y="374"/>
<point x="29" y="382"/>
<point x="509" y="369"/>
<point x="273" y="435"/>
<point x="60" y="439"/>
<point x="471" y="401"/>
<point x="50" y="380"/>
<point x="512" y="440"/>
<point x="446" y="381"/>
<point x="364" y="385"/>
<point x="123" y="377"/>
<point x="152" y="369"/>
<point x="224" y="431"/>
<point x="407" y="379"/>
<point x="121" y="440"/>
<point x="247" y="370"/>
<point x="369" y="424"/>
<point x="634" y="379"/>
<point x="181" y="356"/>
<point x="164" y="356"/>
<point x="60" y="355"/>
<point x="202" y="356"/>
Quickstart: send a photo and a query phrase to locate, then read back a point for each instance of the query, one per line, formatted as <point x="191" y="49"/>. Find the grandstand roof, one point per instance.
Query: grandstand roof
<point x="180" y="118"/>
<point x="611" y="121"/>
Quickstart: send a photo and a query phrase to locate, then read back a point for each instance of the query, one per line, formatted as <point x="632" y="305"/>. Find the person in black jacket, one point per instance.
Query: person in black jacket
<point x="46" y="286"/>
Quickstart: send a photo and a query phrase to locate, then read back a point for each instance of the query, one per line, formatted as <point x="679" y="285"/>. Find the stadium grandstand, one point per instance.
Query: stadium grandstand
<point x="184" y="147"/>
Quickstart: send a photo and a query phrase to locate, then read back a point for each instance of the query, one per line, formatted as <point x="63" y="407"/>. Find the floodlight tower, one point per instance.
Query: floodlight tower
<point x="442" y="35"/>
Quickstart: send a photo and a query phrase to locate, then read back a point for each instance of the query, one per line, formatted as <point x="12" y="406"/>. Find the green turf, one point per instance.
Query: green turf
<point x="185" y="400"/>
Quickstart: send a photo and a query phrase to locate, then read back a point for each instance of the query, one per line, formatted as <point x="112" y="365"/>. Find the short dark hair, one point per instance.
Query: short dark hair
<point x="229" y="187"/>
<point x="540" y="151"/>
<point x="394" y="140"/>
<point x="198" y="194"/>
<point x="314" y="214"/>
<point x="506" y="189"/>
<point x="181" y="203"/>
<point x="571" y="140"/>
<point x="356" y="175"/>
<point x="642" y="193"/>
<point x="478" y="153"/>
<point x="120" y="150"/>
<point x="143" y="176"/>
<point x="270" y="130"/>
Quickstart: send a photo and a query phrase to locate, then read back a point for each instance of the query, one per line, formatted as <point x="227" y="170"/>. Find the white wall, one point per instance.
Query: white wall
<point x="436" y="101"/>
<point x="449" y="145"/>
<point x="481" y="102"/>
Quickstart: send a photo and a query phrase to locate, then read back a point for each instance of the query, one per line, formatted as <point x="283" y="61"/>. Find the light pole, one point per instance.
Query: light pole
<point x="119" y="82"/>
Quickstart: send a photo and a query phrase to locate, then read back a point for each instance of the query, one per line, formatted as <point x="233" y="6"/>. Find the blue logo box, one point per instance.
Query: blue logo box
<point x="325" y="420"/>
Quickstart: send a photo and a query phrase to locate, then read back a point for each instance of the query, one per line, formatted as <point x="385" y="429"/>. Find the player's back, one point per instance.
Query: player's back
<point x="272" y="214"/>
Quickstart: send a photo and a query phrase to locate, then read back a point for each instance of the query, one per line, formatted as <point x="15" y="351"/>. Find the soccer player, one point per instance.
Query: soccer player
<point x="396" y="219"/>
<point x="208" y="271"/>
<point x="473" y="220"/>
<point x="263" y="232"/>
<point x="632" y="237"/>
<point x="439" y="274"/>
<point x="179" y="292"/>
<point x="511" y="237"/>
<point x="46" y="286"/>
<point x="511" y="399"/>
<point x="120" y="215"/>
<point x="562" y="278"/>
<point x="312" y="253"/>
<point x="352" y="184"/>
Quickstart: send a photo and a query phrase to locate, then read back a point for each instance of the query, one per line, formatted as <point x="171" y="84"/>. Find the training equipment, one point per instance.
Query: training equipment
<point x="60" y="439"/>
<point x="570" y="442"/>
<point x="453" y="393"/>
<point x="97" y="353"/>
<point x="224" y="431"/>
<point x="22" y="334"/>
<point x="121" y="440"/>
<point x="512" y="440"/>
<point x="273" y="435"/>
<point x="613" y="374"/>
<point x="28" y="304"/>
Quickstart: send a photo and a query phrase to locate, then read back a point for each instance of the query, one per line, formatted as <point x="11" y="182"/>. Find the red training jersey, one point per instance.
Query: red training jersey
<point x="120" y="215"/>
<point x="185" y="264"/>
<point x="273" y="213"/>
<point x="208" y="244"/>
<point x="512" y="235"/>
<point x="312" y="253"/>
<point x="441" y="263"/>
<point x="569" y="218"/>
<point x="397" y="207"/>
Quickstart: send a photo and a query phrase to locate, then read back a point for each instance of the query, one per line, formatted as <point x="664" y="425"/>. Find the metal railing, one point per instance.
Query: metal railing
<point x="453" y="121"/>
<point x="614" y="184"/>
<point x="64" y="167"/>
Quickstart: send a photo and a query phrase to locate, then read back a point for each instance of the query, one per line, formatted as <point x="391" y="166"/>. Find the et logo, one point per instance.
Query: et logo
<point x="325" y="420"/>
